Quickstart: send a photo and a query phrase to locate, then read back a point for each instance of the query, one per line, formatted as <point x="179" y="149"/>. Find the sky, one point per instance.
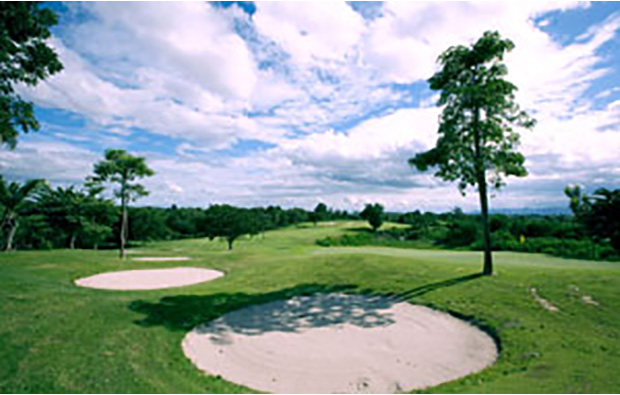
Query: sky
<point x="293" y="104"/>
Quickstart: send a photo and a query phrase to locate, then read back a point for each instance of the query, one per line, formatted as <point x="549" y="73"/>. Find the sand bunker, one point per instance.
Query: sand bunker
<point x="330" y="343"/>
<point x="149" y="279"/>
<point x="161" y="259"/>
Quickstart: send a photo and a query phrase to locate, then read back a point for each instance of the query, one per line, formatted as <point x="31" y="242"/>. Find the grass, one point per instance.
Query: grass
<point x="56" y="337"/>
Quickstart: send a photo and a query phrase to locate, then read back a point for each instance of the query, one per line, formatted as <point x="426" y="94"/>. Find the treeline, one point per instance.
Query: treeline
<point x="223" y="221"/>
<point x="593" y="232"/>
<point x="36" y="216"/>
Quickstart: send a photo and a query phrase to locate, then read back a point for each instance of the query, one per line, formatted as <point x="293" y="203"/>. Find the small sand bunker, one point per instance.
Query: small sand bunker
<point x="149" y="279"/>
<point x="330" y="343"/>
<point x="161" y="259"/>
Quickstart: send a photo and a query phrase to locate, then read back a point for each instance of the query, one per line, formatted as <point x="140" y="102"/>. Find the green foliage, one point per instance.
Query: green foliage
<point x="391" y="237"/>
<point x="77" y="215"/>
<point x="479" y="112"/>
<point x="124" y="169"/>
<point x="229" y="223"/>
<point x="373" y="213"/>
<point x="553" y="235"/>
<point x="461" y="232"/>
<point x="476" y="135"/>
<point x="50" y="222"/>
<point x="25" y="58"/>
<point x="15" y="201"/>
<point x="320" y="213"/>
<point x="36" y="233"/>
<point x="149" y="223"/>
<point x="184" y="221"/>
<point x="599" y="214"/>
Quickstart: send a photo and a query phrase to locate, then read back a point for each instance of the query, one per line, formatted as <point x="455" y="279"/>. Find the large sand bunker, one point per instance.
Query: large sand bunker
<point x="149" y="279"/>
<point x="330" y="343"/>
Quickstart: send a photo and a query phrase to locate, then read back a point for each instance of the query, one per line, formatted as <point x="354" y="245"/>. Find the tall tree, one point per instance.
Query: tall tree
<point x="123" y="169"/>
<point x="373" y="213"/>
<point x="14" y="199"/>
<point x="25" y="58"/>
<point x="476" y="135"/>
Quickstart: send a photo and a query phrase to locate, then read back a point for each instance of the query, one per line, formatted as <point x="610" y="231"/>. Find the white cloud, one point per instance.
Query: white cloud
<point x="407" y="40"/>
<point x="373" y="139"/>
<point x="190" y="40"/>
<point x="55" y="161"/>
<point x="162" y="105"/>
<point x="298" y="76"/>
<point x="310" y="31"/>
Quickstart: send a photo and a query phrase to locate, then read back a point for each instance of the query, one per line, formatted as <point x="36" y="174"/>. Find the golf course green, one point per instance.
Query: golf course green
<point x="556" y="321"/>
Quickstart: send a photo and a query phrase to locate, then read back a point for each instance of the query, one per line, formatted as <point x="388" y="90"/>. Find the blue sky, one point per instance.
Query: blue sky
<point x="296" y="103"/>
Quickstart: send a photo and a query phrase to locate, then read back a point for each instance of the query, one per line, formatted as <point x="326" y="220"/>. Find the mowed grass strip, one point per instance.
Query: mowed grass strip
<point x="56" y="337"/>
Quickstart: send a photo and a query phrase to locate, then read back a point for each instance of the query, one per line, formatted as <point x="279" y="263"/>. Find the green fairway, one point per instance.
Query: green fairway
<point x="57" y="337"/>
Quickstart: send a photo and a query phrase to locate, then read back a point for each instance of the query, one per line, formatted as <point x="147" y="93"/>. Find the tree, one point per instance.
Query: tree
<point x="229" y="223"/>
<point x="476" y="135"/>
<point x="62" y="208"/>
<point x="150" y="223"/>
<point x="122" y="168"/>
<point x="319" y="214"/>
<point x="578" y="201"/>
<point x="599" y="214"/>
<point x="14" y="200"/>
<point x="75" y="213"/>
<point x="604" y="218"/>
<point x="373" y="213"/>
<point x="24" y="58"/>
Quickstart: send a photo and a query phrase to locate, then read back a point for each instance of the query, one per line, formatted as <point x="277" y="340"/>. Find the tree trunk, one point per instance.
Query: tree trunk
<point x="487" y="269"/>
<point x="486" y="232"/>
<point x="230" y="243"/>
<point x="123" y="235"/>
<point x="11" y="235"/>
<point x="72" y="241"/>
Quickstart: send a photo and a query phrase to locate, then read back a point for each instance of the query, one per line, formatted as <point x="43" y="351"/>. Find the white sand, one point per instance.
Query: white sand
<point x="161" y="259"/>
<point x="331" y="343"/>
<point x="149" y="279"/>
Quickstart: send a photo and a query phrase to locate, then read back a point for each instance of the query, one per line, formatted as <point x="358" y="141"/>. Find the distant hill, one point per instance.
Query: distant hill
<point x="558" y="210"/>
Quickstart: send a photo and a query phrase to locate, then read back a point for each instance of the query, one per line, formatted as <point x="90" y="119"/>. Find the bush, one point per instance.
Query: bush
<point x="460" y="233"/>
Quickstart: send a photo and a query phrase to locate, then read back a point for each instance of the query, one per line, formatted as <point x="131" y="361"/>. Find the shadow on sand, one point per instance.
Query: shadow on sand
<point x="287" y="310"/>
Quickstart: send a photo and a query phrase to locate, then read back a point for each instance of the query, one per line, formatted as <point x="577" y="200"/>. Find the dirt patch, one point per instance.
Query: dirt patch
<point x="543" y="302"/>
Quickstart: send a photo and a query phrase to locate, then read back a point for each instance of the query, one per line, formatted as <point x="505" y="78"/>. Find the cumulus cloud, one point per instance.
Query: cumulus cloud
<point x="58" y="162"/>
<point x="337" y="91"/>
<point x="311" y="31"/>
<point x="189" y="40"/>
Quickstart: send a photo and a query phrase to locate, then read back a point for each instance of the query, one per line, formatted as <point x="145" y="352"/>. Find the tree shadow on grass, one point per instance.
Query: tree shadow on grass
<point x="286" y="310"/>
<point x="184" y="312"/>
<point x="359" y="229"/>
<point x="424" y="289"/>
